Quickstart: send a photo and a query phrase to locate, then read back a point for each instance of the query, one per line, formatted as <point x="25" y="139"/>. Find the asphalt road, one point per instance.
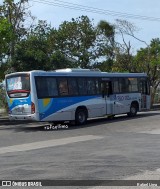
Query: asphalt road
<point x="119" y="149"/>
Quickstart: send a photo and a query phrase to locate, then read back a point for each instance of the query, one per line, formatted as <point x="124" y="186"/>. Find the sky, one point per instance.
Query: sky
<point x="54" y="12"/>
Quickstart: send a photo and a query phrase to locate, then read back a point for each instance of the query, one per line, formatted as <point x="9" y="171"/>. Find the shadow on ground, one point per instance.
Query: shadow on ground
<point x="30" y="126"/>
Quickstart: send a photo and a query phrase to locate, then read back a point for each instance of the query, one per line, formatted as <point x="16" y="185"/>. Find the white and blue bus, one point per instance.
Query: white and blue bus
<point x="75" y="94"/>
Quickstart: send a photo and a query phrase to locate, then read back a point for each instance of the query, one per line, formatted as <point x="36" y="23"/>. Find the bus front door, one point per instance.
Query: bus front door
<point x="106" y="95"/>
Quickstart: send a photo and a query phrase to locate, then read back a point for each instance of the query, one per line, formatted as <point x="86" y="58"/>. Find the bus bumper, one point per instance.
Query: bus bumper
<point x="22" y="117"/>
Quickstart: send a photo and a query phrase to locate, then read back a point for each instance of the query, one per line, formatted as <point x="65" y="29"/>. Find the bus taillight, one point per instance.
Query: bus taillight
<point x="32" y="108"/>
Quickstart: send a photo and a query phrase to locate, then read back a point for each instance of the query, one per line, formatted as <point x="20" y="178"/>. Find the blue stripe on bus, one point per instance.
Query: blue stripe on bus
<point x="52" y="105"/>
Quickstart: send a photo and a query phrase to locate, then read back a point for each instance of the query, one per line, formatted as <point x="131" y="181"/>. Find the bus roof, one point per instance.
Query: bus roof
<point x="79" y="72"/>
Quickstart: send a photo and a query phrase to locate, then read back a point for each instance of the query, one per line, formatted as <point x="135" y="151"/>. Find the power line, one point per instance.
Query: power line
<point x="125" y="14"/>
<point x="74" y="6"/>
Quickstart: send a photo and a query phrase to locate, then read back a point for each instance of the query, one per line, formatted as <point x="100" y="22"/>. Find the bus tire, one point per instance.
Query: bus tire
<point x="81" y="116"/>
<point x="133" y="110"/>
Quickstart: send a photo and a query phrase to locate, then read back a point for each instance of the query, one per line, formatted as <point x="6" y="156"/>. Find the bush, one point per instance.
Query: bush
<point x="3" y="101"/>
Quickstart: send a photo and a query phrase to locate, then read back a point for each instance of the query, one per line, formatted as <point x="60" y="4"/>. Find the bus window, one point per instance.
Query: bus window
<point x="18" y="85"/>
<point x="25" y="83"/>
<point x="63" y="87"/>
<point x="98" y="86"/>
<point x="41" y="85"/>
<point x="123" y="85"/>
<point x="133" y="84"/>
<point x="52" y="86"/>
<point x="46" y="87"/>
<point x="82" y="86"/>
<point x="115" y="86"/>
<point x="91" y="86"/>
<point x="19" y="82"/>
<point x="72" y="86"/>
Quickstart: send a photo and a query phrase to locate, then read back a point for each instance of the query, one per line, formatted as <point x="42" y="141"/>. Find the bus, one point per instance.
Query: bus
<point x="75" y="95"/>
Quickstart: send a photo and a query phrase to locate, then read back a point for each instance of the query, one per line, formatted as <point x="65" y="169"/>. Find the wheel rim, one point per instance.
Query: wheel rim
<point x="81" y="117"/>
<point x="133" y="110"/>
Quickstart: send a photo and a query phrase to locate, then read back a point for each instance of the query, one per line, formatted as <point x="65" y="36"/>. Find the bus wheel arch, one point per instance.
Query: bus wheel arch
<point x="81" y="115"/>
<point x="133" y="109"/>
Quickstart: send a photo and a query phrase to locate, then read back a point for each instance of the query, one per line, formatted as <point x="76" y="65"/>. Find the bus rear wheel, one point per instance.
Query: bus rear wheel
<point x="133" y="110"/>
<point x="81" y="116"/>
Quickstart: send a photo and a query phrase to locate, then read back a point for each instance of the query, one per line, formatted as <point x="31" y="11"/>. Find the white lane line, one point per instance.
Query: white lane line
<point x="47" y="143"/>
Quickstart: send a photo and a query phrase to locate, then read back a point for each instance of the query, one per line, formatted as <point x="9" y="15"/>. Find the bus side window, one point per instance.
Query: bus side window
<point x="124" y="85"/>
<point x="115" y="85"/>
<point x="98" y="86"/>
<point x="72" y="86"/>
<point x="52" y="86"/>
<point x="82" y="86"/>
<point x="42" y="89"/>
<point x="133" y="84"/>
<point x="63" y="87"/>
<point x="91" y="86"/>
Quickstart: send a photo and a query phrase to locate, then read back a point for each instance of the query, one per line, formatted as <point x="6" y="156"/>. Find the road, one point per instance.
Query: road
<point x="122" y="148"/>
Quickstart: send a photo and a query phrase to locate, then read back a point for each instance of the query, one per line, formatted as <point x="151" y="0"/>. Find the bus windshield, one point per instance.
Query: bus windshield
<point x="18" y="84"/>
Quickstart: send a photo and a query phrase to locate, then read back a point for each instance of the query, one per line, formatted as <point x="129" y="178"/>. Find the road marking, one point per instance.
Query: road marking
<point x="47" y="143"/>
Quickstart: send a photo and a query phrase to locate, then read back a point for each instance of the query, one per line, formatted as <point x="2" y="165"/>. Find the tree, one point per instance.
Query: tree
<point x="6" y="37"/>
<point x="105" y="43"/>
<point x="124" y="59"/>
<point x="59" y="61"/>
<point x="33" y="51"/>
<point x="15" y="14"/>
<point x="3" y="69"/>
<point x="76" y="40"/>
<point x="148" y="60"/>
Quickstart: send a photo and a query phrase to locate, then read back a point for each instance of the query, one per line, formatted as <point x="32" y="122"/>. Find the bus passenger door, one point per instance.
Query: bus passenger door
<point x="145" y="98"/>
<point x="106" y="96"/>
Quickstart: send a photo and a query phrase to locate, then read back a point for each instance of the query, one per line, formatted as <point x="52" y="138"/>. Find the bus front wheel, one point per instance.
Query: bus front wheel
<point x="133" y="110"/>
<point x="81" y="116"/>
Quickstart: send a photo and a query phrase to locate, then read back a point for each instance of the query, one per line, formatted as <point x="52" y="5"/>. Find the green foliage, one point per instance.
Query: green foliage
<point x="105" y="44"/>
<point x="124" y="63"/>
<point x="105" y="66"/>
<point x="33" y="52"/>
<point x="76" y="40"/>
<point x="148" y="60"/>
<point x="14" y="14"/>
<point x="3" y="101"/>
<point x="3" y="69"/>
<point x="59" y="61"/>
<point x="6" y="36"/>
